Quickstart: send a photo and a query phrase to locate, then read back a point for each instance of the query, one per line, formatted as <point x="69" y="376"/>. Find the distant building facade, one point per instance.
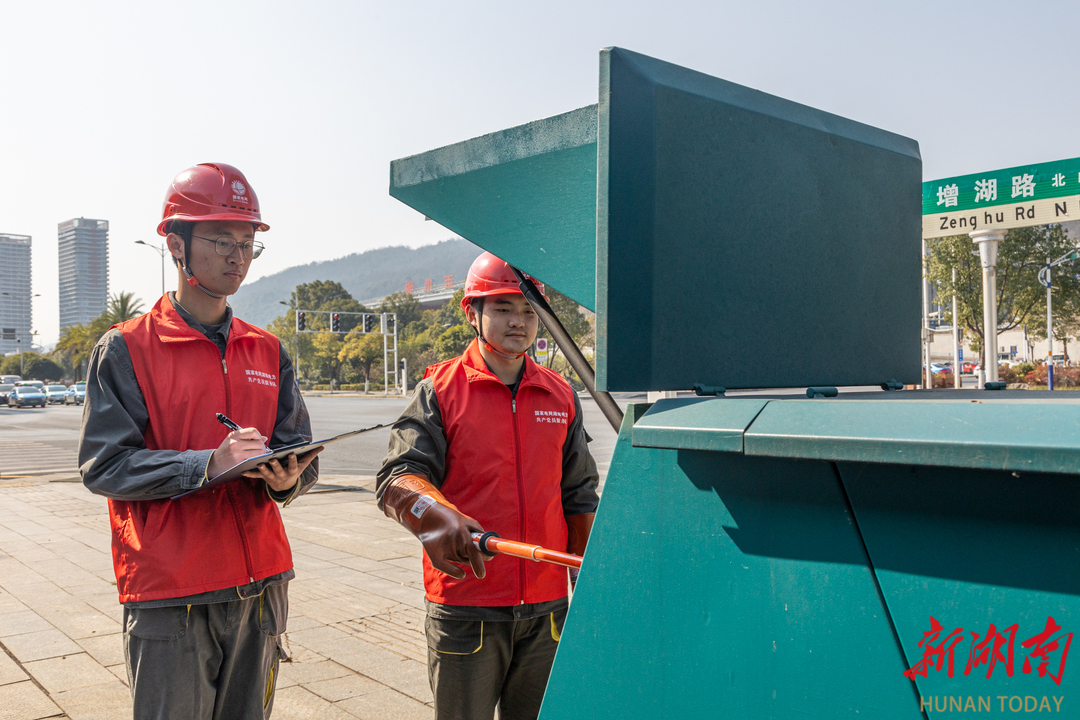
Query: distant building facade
<point x="16" y="312"/>
<point x="84" y="270"/>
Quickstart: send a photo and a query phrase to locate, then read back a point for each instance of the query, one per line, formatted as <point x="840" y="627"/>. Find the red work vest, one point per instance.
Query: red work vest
<point x="503" y="468"/>
<point x="224" y="537"/>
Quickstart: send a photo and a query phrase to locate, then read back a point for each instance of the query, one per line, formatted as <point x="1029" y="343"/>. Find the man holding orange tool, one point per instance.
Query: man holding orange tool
<point x="491" y="440"/>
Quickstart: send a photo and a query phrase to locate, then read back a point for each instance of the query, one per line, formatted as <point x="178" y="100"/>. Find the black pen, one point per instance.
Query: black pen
<point x="221" y="418"/>
<point x="228" y="423"/>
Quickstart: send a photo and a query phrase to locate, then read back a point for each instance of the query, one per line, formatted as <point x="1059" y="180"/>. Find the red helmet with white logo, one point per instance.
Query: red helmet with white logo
<point x="488" y="276"/>
<point x="211" y="191"/>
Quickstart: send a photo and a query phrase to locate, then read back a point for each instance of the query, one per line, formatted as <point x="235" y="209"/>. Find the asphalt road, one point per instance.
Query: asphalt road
<point x="35" y="441"/>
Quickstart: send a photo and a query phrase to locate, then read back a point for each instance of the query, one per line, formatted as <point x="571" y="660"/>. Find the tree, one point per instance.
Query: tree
<point x="406" y="306"/>
<point x="325" y="350"/>
<point x="361" y="352"/>
<point x="317" y="298"/>
<point x="578" y="322"/>
<point x="453" y="342"/>
<point x="34" y="367"/>
<point x="1020" y="297"/>
<point x="72" y="351"/>
<point x="314" y="295"/>
<point x="451" y="313"/>
<point x="122" y="307"/>
<point x="1065" y="304"/>
<point x="419" y="353"/>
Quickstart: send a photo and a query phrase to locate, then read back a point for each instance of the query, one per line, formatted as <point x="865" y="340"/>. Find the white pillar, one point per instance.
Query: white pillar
<point x="988" y="240"/>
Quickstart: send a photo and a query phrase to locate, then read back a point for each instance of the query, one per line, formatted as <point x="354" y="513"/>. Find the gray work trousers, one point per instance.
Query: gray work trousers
<point x="204" y="662"/>
<point x="474" y="666"/>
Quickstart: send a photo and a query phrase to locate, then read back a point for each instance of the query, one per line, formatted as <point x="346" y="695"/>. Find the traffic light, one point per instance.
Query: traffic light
<point x="301" y="321"/>
<point x="389" y="323"/>
<point x="369" y="322"/>
<point x="335" y="323"/>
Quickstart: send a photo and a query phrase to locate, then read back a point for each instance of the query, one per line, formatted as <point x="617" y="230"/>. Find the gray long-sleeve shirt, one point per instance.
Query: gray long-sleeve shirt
<point x="115" y="462"/>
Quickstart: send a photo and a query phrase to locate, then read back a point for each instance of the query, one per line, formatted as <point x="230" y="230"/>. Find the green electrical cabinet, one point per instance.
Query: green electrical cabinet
<point x="885" y="554"/>
<point x="778" y="557"/>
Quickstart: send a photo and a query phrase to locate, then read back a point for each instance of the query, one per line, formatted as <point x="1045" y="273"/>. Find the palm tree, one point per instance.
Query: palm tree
<point x="73" y="348"/>
<point x="121" y="307"/>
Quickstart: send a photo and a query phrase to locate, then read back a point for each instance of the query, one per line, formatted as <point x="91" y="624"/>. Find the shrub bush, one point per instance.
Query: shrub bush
<point x="941" y="380"/>
<point x="1063" y="377"/>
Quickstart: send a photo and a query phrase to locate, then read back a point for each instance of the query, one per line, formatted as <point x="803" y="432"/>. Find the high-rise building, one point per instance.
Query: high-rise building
<point x="84" y="270"/>
<point x="15" y="293"/>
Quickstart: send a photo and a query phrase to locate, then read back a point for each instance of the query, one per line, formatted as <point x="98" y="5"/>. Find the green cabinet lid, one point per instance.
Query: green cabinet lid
<point x="697" y="424"/>
<point x="1018" y="431"/>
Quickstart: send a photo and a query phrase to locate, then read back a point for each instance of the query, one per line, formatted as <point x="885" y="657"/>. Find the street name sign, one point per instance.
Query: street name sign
<point x="1002" y="199"/>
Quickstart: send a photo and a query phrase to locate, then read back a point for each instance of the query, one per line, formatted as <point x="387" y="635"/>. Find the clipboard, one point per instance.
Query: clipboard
<point x="237" y="471"/>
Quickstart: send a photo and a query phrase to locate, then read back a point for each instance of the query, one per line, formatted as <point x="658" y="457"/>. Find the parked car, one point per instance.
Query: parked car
<point x="26" y="396"/>
<point x="4" y="390"/>
<point x="937" y="368"/>
<point x="76" y="394"/>
<point x="969" y="367"/>
<point x="55" y="394"/>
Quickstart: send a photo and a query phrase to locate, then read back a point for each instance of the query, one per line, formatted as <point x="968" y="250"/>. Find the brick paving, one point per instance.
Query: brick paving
<point x="355" y="613"/>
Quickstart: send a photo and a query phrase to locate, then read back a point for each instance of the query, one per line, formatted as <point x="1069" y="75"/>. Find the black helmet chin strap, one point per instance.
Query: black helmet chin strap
<point x="480" y="334"/>
<point x="192" y="280"/>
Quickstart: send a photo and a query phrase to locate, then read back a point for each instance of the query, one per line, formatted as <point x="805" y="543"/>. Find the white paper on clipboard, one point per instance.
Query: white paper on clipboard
<point x="237" y="471"/>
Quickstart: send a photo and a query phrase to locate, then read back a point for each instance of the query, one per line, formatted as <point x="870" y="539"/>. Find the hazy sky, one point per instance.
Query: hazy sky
<point x="102" y="103"/>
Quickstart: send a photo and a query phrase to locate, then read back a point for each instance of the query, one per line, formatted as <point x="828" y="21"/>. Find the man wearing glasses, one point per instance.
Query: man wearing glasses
<point x="203" y="578"/>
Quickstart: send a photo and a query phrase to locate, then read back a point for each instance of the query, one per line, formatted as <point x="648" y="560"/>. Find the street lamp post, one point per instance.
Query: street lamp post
<point x="160" y="251"/>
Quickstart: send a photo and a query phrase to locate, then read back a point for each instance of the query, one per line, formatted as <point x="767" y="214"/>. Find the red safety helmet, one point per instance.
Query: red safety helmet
<point x="490" y="275"/>
<point x="211" y="191"/>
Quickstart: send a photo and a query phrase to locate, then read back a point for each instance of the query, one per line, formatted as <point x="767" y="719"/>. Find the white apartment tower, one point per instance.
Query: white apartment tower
<point x="84" y="270"/>
<point x="15" y="293"/>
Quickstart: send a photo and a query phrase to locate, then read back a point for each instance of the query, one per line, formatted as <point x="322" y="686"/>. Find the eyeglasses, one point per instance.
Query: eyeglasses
<point x="226" y="246"/>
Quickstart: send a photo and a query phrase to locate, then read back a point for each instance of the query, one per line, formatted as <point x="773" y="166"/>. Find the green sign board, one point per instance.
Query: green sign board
<point x="1001" y="199"/>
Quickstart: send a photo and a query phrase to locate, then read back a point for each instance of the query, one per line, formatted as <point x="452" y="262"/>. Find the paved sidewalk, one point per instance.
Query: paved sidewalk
<point x="355" y="618"/>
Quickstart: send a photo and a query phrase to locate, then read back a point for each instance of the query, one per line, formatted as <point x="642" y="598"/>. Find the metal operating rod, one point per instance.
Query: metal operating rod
<point x="577" y="360"/>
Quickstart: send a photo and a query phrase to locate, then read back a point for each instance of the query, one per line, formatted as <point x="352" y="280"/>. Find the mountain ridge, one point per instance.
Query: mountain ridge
<point x="370" y="274"/>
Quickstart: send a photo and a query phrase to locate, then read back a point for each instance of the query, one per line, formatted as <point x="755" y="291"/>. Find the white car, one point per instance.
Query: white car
<point x="54" y="394"/>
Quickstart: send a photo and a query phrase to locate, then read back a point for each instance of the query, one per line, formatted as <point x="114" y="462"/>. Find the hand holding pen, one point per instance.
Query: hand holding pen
<point x="238" y="445"/>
